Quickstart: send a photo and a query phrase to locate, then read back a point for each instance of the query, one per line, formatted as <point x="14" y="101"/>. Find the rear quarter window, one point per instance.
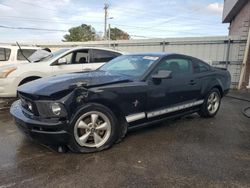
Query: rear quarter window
<point x="26" y="52"/>
<point x="199" y="66"/>
<point x="4" y="54"/>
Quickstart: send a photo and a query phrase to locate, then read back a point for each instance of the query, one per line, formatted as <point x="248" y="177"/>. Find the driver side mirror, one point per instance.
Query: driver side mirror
<point x="162" y="74"/>
<point x="62" y="61"/>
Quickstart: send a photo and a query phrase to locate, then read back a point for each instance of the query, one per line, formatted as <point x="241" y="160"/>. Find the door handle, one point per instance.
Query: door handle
<point x="192" y="82"/>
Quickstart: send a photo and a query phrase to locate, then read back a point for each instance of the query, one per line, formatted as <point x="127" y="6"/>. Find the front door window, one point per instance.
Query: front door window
<point x="177" y="66"/>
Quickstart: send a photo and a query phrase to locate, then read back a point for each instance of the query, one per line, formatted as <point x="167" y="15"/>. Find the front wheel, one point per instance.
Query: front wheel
<point x="94" y="129"/>
<point x="211" y="104"/>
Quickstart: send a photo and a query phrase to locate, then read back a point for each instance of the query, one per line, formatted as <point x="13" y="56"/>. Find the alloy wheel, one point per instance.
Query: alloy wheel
<point x="92" y="129"/>
<point x="213" y="102"/>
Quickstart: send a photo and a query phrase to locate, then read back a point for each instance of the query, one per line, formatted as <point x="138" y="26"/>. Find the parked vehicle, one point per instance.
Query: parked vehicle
<point x="11" y="54"/>
<point x="91" y="111"/>
<point x="62" y="61"/>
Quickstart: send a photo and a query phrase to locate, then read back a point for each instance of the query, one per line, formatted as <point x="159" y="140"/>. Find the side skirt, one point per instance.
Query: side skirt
<point x="163" y="119"/>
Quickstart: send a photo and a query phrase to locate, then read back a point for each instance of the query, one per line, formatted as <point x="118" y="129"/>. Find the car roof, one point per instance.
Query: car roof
<point x="160" y="54"/>
<point x="22" y="47"/>
<point x="96" y="48"/>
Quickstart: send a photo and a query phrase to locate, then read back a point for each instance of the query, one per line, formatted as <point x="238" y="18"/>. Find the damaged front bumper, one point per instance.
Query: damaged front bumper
<point x="49" y="132"/>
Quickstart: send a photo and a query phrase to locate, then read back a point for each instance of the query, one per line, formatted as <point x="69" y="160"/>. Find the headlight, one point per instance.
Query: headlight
<point x="56" y="108"/>
<point x="50" y="109"/>
<point x="5" y="72"/>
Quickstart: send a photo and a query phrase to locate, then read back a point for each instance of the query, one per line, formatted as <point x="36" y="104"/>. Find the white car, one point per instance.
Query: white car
<point x="65" y="60"/>
<point x="11" y="54"/>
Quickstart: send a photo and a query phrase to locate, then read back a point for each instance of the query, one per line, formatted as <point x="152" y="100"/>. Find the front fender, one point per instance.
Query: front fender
<point x="81" y="98"/>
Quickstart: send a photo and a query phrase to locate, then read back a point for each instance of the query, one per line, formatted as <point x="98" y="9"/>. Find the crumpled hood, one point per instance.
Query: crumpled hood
<point x="50" y="85"/>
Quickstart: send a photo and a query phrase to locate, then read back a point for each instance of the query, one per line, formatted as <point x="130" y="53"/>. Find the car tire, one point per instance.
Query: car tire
<point x="123" y="131"/>
<point x="94" y="128"/>
<point x="211" y="104"/>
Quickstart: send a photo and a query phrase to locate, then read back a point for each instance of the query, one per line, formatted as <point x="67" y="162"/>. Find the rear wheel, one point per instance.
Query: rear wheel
<point x="94" y="129"/>
<point x="211" y="104"/>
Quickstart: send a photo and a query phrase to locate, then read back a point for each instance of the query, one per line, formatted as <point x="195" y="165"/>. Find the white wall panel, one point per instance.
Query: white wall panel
<point x="210" y="49"/>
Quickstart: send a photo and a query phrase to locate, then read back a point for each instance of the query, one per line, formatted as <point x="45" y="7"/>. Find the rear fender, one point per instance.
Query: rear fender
<point x="215" y="83"/>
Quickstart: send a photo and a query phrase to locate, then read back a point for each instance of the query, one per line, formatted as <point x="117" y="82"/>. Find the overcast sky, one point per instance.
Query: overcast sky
<point x="140" y="18"/>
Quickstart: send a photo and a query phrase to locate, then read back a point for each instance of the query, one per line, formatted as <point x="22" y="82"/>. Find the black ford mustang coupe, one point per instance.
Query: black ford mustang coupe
<point x="90" y="111"/>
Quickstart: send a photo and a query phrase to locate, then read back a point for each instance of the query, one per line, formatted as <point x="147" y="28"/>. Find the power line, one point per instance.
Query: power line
<point x="159" y="30"/>
<point x="183" y="15"/>
<point x="20" y="17"/>
<point x="152" y="13"/>
<point x="31" y="28"/>
<point x="149" y="16"/>
<point x="152" y="28"/>
<point x="14" y="7"/>
<point x="16" y="18"/>
<point x="36" y="5"/>
<point x="127" y="26"/>
<point x="156" y="28"/>
<point x="160" y="36"/>
<point x="135" y="12"/>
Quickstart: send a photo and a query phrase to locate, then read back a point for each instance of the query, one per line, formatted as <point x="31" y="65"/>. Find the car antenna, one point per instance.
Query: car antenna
<point x="22" y="52"/>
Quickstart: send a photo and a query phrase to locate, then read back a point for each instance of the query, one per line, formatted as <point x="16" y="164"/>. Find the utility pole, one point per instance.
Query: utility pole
<point x="106" y="6"/>
<point x="109" y="35"/>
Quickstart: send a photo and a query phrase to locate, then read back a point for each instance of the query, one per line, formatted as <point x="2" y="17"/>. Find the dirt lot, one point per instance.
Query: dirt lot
<point x="190" y="152"/>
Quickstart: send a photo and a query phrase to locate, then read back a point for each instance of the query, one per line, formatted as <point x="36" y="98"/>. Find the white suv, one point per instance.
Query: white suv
<point x="11" y="54"/>
<point x="65" y="60"/>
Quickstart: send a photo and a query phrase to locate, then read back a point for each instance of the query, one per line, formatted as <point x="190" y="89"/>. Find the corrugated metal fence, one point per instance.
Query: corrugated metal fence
<point x="217" y="51"/>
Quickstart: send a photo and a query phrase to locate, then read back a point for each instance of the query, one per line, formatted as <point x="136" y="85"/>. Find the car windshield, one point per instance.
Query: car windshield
<point x="130" y="65"/>
<point x="43" y="55"/>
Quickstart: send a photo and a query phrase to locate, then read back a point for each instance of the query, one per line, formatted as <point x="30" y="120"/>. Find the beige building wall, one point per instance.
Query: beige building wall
<point x="240" y="23"/>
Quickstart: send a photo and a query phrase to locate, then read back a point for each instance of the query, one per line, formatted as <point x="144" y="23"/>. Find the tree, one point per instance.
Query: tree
<point x="118" y="34"/>
<point x="81" y="33"/>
